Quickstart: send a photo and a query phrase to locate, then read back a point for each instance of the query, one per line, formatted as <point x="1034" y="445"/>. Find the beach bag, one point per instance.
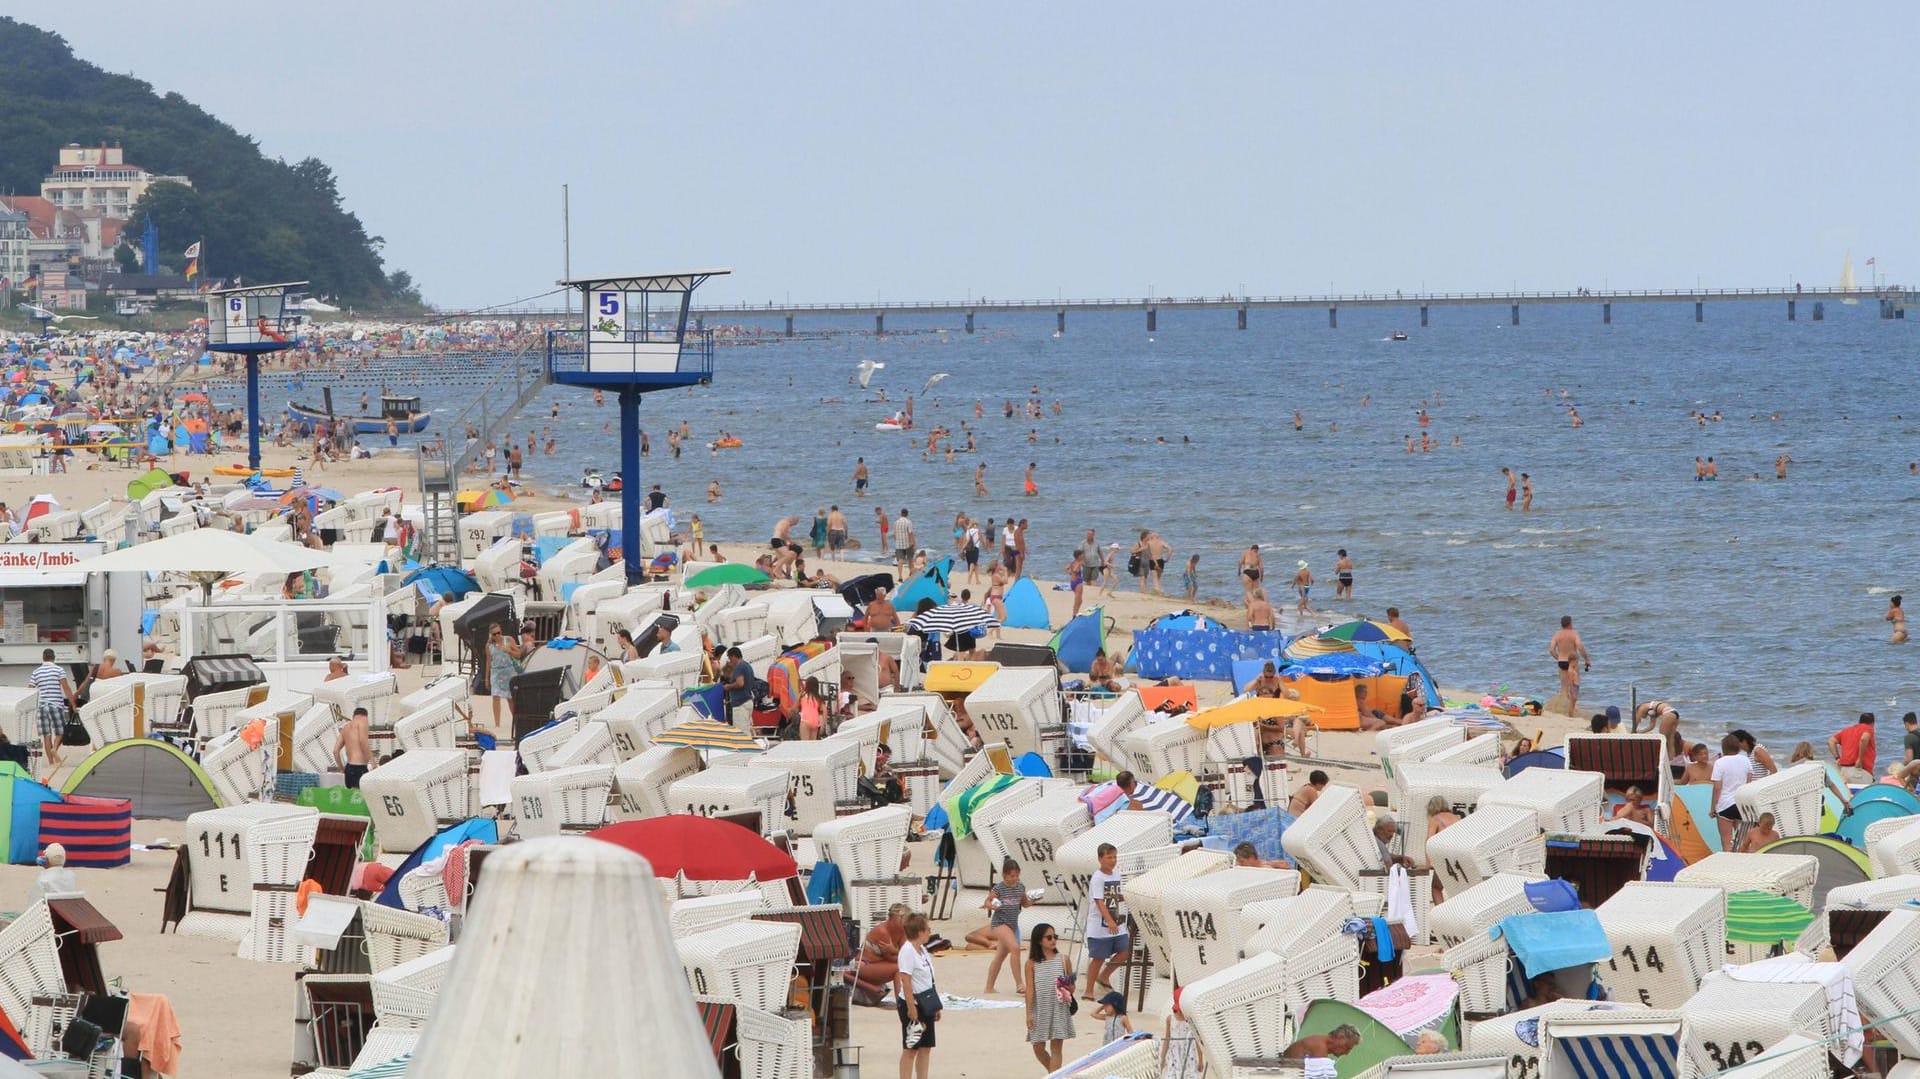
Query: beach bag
<point x="1133" y="566"/>
<point x="76" y="733"/>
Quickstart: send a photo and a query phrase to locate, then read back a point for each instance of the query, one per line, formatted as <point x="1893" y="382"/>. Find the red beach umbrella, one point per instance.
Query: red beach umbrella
<point x="700" y="848"/>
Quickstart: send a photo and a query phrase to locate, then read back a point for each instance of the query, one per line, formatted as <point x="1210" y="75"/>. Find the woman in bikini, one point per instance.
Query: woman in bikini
<point x="997" y="594"/>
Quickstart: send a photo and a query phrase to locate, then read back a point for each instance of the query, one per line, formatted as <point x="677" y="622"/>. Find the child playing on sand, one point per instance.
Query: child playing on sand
<point x="1002" y="932"/>
<point x="1190" y="580"/>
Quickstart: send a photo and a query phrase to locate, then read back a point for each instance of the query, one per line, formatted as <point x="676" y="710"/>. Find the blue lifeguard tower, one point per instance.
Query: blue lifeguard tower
<point x="251" y="320"/>
<point x="635" y="339"/>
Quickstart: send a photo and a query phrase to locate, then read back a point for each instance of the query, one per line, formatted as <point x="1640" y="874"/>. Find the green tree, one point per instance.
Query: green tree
<point x="127" y="258"/>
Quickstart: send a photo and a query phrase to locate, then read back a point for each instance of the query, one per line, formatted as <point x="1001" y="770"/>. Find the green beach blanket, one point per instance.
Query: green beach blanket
<point x="960" y="807"/>
<point x="1755" y="917"/>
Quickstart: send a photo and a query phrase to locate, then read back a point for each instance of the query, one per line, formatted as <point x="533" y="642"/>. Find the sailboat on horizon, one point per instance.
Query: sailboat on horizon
<point x="1846" y="280"/>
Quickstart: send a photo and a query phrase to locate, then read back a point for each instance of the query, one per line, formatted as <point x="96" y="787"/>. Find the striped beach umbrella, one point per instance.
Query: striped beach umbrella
<point x="707" y="734"/>
<point x="953" y="618"/>
<point x="1756" y="917"/>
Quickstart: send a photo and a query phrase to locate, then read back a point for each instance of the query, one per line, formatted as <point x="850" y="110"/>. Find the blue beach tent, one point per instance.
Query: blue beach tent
<point x="479" y="828"/>
<point x="1079" y="639"/>
<point x="929" y="583"/>
<point x="1026" y="607"/>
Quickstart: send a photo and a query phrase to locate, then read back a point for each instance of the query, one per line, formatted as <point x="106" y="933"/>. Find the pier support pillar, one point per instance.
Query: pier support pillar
<point x="969" y="322"/>
<point x="1819" y="311"/>
<point x="1333" y="318"/>
<point x="1790" y="317"/>
<point x="879" y="325"/>
<point x="1516" y="314"/>
<point x="1886" y="308"/>
<point x="1699" y="311"/>
<point x="1243" y="318"/>
<point x="1423" y="316"/>
<point x="1606" y="313"/>
<point x="789" y="325"/>
<point x="1060" y="322"/>
<point x="1153" y="319"/>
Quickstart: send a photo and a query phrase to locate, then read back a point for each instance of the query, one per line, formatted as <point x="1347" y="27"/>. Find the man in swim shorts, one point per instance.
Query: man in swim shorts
<point x="1343" y="576"/>
<point x="1565" y="648"/>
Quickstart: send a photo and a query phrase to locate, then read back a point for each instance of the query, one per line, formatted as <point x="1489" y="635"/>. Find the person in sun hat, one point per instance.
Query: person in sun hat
<point x="1302" y="584"/>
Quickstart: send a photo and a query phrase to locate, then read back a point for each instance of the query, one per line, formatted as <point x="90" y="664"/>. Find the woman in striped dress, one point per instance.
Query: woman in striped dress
<point x="1049" y="997"/>
<point x="1002" y="931"/>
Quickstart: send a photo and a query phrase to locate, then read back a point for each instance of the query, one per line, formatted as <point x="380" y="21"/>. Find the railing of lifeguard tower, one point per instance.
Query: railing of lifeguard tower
<point x="567" y="349"/>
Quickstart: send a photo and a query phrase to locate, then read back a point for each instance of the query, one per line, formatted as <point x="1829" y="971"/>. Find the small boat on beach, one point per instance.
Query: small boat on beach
<point x="402" y="411"/>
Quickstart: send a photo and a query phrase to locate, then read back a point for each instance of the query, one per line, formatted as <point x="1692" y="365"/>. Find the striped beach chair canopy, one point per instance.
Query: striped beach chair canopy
<point x="1590" y="1045"/>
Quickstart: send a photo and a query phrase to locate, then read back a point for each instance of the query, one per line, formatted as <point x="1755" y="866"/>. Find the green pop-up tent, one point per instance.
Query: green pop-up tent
<point x="156" y="479"/>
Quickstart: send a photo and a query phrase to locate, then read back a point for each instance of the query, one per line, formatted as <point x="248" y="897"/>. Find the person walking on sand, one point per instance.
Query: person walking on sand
<point x="1049" y="995"/>
<point x="1566" y="648"/>
<point x="1513" y="487"/>
<point x="56" y="694"/>
<point x="1343" y="576"/>
<point x="1526" y="493"/>
<point x="1108" y="944"/>
<point x="916" y="999"/>
<point x="1897" y="615"/>
<point x="860" y="477"/>
<point x="903" y="544"/>
<point x="1303" y="585"/>
<point x="1251" y="568"/>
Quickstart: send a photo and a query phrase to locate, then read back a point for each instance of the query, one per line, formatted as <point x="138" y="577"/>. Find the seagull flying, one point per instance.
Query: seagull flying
<point x="866" y="369"/>
<point x="931" y="382"/>
<point x="41" y="312"/>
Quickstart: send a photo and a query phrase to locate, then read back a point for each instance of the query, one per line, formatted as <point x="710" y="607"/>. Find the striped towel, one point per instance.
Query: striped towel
<point x="1795" y="968"/>
<point x="1163" y="800"/>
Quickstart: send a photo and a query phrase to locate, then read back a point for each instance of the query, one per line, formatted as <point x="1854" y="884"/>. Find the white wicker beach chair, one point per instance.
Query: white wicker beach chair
<point x="108" y="713"/>
<point x="1596" y="1045"/>
<point x="678" y="669"/>
<point x="1130" y="831"/>
<point x="701" y="913"/>
<point x="1462" y="786"/>
<point x="717" y="792"/>
<point x="452" y="689"/>
<point x="1014" y="703"/>
<point x="376" y="691"/>
<point x="644" y="780"/>
<point x="1239" y="1010"/>
<point x="1326" y="969"/>
<point x="1139" y="1059"/>
<point x="1288" y="924"/>
<point x="992" y="759"/>
<point x="740" y="624"/>
<point x="1332" y="841"/>
<point x="868" y="901"/>
<point x="1414" y="741"/>
<point x="423" y="889"/>
<point x="1461" y="1065"/>
<point x="1791" y="875"/>
<point x="824" y="773"/>
<point x="1146" y="896"/>
<point x="383" y="1046"/>
<point x="410" y="796"/>
<point x="433" y="726"/>
<point x="638" y="713"/>
<point x="1034" y="833"/>
<point x="591" y="744"/>
<point x="866" y="845"/>
<point x="238" y="771"/>
<point x="1479" y="907"/>
<point x="1478" y="751"/>
<point x="1202" y="916"/>
<point x="749" y="963"/>
<point x="939" y="738"/>
<point x="537" y="748"/>
<point x="1107" y="732"/>
<point x="314" y="735"/>
<point x="403" y="995"/>
<point x="393" y="937"/>
<point x="1480" y="964"/>
<point x="1494" y="839"/>
<point x="1665" y="940"/>
<point x="775" y="1046"/>
<point x="1163" y="746"/>
<point x="29" y="962"/>
<point x="213" y="712"/>
<point x="1886" y="978"/>
<point x="157" y="698"/>
<point x="1566" y="803"/>
<point x="1884" y="893"/>
<point x="20" y="714"/>
<point x="1792" y="1057"/>
<point x="1502" y="1033"/>
<point x="1893" y="846"/>
<point x="220" y="858"/>
<point x="1792" y="795"/>
<point x="1730" y="1023"/>
<point x="572" y="799"/>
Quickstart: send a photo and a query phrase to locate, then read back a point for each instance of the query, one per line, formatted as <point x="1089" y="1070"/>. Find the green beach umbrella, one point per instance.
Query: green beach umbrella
<point x="1755" y="917"/>
<point x="727" y="573"/>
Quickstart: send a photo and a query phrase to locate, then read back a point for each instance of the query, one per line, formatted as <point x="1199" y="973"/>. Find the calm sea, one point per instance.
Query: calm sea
<point x="1746" y="601"/>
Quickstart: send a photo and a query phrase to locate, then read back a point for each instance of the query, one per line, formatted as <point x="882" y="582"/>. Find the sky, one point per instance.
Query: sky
<point x="854" y="151"/>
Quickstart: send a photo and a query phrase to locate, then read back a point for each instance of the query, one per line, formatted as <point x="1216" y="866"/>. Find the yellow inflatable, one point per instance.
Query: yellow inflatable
<point x="243" y="470"/>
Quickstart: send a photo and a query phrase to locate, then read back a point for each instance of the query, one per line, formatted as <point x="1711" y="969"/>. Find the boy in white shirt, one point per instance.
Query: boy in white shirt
<point x="1730" y="773"/>
<point x="1107" y="942"/>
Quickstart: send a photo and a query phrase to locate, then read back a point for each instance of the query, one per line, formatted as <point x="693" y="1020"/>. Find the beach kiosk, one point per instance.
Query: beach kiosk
<point x="251" y="321"/>
<point x="634" y="340"/>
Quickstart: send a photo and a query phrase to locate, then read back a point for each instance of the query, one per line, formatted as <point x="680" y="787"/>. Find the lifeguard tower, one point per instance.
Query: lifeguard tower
<point x="635" y="340"/>
<point x="251" y="320"/>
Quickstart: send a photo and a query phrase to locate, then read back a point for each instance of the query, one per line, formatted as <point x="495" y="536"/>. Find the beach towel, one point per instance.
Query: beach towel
<point x="824" y="885"/>
<point x="1554" y="940"/>
<point x="1400" y="901"/>
<point x="1412" y="1004"/>
<point x="1795" y="968"/>
<point x="1164" y="801"/>
<point x="961" y="806"/>
<point x="1261" y="827"/>
<point x="159" y="1030"/>
<point x="1103" y="800"/>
